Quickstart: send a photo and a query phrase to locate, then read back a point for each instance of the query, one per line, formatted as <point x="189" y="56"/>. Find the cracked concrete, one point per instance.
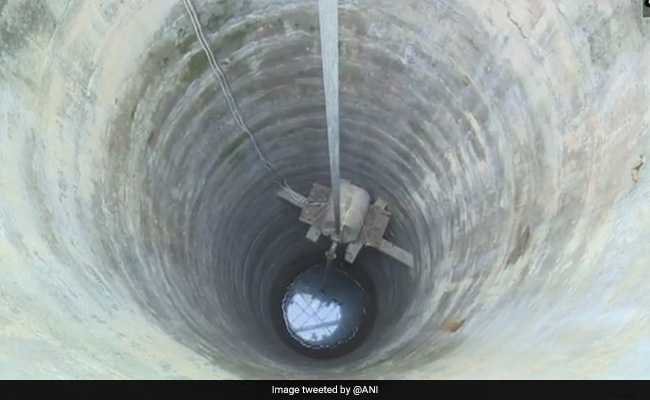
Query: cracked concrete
<point x="140" y="238"/>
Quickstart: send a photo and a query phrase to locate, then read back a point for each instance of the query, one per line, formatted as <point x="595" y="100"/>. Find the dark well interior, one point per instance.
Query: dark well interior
<point x="504" y="137"/>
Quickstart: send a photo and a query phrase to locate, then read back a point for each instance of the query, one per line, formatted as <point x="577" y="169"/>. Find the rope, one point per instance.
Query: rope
<point x="329" y="27"/>
<point x="230" y="100"/>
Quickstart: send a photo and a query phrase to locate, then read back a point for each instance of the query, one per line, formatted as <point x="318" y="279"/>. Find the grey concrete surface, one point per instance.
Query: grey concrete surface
<point x="140" y="237"/>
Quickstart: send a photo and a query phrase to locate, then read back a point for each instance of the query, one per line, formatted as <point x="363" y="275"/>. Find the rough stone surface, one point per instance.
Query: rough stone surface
<point x="140" y="237"/>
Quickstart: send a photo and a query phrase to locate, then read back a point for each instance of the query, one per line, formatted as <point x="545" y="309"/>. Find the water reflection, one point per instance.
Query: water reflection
<point x="323" y="313"/>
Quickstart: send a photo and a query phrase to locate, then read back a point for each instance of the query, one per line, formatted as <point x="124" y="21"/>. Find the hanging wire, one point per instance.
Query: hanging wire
<point x="232" y="104"/>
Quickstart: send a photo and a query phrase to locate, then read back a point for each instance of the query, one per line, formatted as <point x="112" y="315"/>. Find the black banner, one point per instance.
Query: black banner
<point x="449" y="390"/>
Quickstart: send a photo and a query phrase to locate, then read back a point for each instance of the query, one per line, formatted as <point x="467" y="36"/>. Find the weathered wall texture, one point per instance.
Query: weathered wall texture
<point x="139" y="235"/>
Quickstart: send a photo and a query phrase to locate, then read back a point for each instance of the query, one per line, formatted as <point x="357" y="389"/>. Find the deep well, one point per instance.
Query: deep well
<point x="140" y="236"/>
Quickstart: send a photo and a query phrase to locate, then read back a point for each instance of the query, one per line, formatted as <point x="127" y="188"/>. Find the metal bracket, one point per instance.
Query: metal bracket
<point x="314" y="213"/>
